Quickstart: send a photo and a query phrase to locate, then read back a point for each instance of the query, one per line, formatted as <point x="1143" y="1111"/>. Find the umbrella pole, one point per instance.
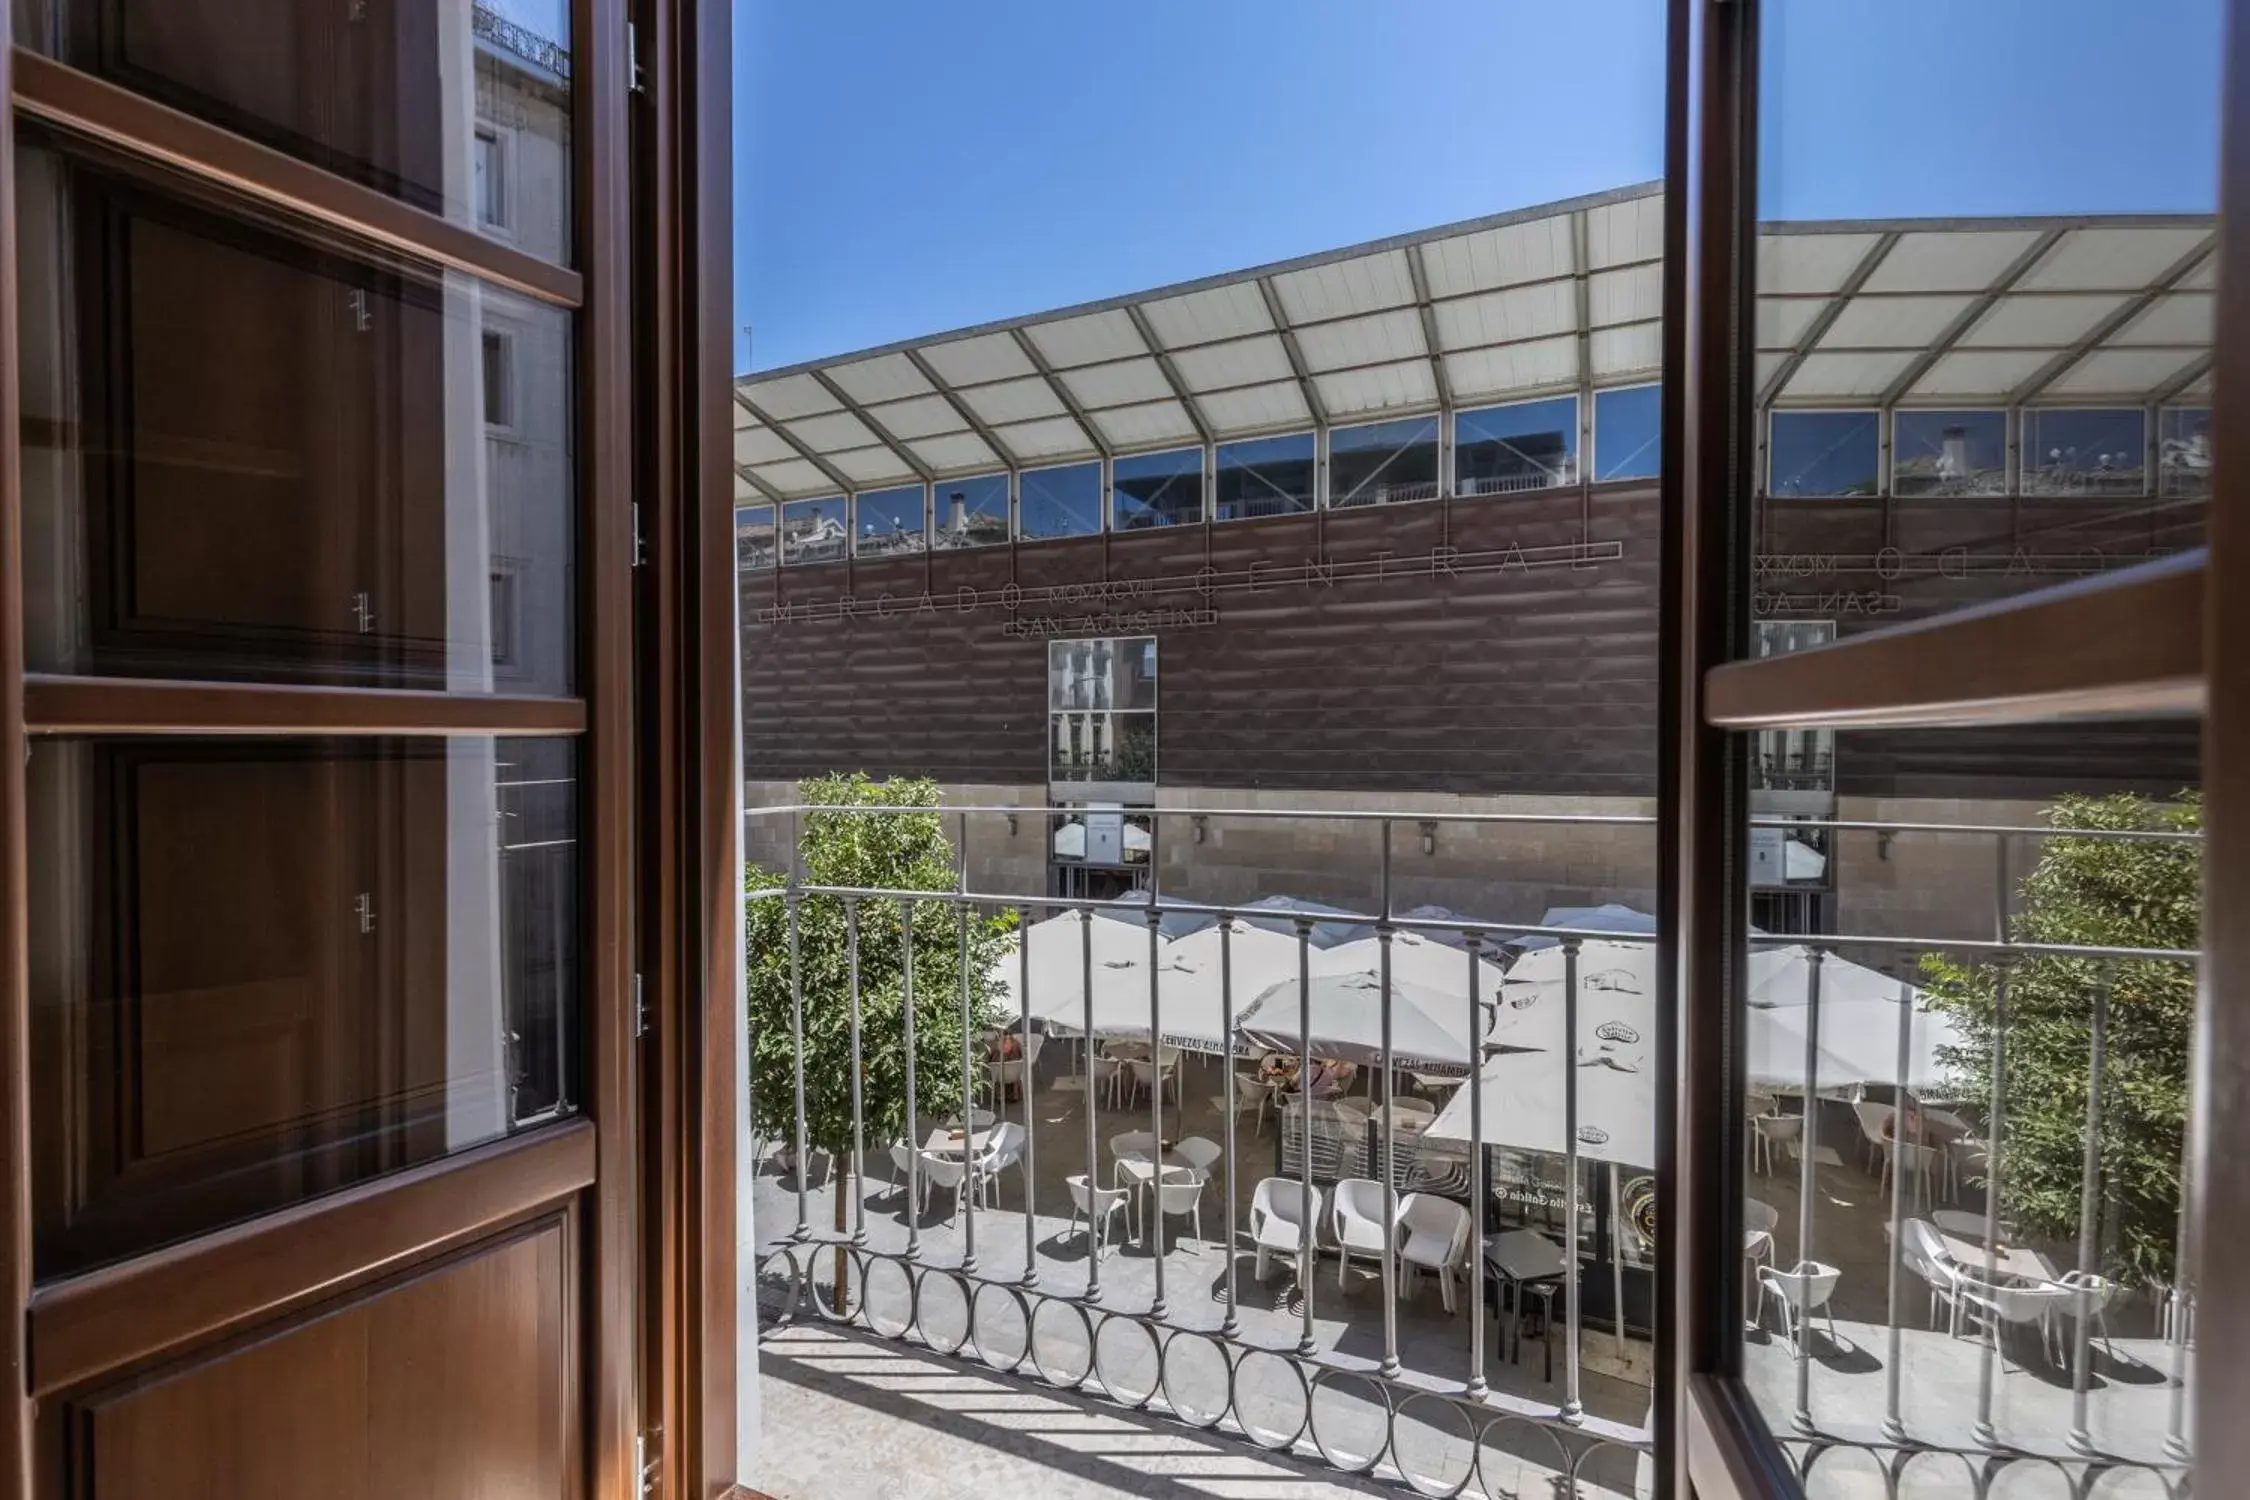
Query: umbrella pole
<point x="1616" y="1256"/>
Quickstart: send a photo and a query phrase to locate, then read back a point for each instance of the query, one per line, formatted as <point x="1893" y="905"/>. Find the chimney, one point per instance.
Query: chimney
<point x="957" y="520"/>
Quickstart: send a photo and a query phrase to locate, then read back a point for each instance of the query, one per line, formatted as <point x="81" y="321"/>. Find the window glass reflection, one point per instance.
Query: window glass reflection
<point x="2083" y="450"/>
<point x="1265" y="477"/>
<point x="362" y="89"/>
<point x="1064" y="501"/>
<point x="2183" y="455"/>
<point x="1526" y="446"/>
<point x="1949" y="453"/>
<point x="813" y="531"/>
<point x="262" y="970"/>
<point x="755" y="542"/>
<point x="252" y="456"/>
<point x="1628" y="432"/>
<point x="1825" y="452"/>
<point x="1383" y="462"/>
<point x="1158" y="489"/>
<point x="890" y="521"/>
<point x="969" y="512"/>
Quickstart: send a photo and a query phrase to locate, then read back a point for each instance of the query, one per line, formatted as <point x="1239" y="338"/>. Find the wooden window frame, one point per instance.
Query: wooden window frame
<point x="2145" y="641"/>
<point x="589" y="1168"/>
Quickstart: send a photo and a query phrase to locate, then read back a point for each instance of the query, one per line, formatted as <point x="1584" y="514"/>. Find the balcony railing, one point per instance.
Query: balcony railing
<point x="1288" y="1359"/>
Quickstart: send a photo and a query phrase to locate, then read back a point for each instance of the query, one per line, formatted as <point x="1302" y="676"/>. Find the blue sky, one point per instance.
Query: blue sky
<point x="904" y="167"/>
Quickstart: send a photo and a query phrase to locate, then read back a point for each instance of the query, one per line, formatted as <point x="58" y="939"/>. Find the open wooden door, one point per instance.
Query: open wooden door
<point x="317" y="1081"/>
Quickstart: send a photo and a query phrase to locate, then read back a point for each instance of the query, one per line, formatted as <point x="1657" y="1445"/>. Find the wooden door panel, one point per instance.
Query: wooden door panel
<point x="456" y="1384"/>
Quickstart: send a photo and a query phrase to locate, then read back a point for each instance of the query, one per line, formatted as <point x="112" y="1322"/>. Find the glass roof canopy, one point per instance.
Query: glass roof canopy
<point x="1548" y="300"/>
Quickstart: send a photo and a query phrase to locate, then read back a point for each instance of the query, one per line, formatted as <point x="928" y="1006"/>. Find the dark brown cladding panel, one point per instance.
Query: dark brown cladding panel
<point x="1496" y="645"/>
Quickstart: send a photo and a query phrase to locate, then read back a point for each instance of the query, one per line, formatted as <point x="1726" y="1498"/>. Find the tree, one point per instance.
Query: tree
<point x="2106" y="893"/>
<point x="905" y="851"/>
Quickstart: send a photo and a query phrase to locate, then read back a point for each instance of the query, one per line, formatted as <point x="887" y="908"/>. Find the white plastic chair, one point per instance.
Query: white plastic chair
<point x="1358" y="1219"/>
<point x="1923" y="1164"/>
<point x="902" y="1157"/>
<point x="1437" y="1237"/>
<point x="1200" y="1152"/>
<point x="2095" y="1294"/>
<point x="945" y="1172"/>
<point x="1096" y="1205"/>
<point x="1772" y="1131"/>
<point x="1004" y="1150"/>
<point x="1758" y="1222"/>
<point x="1251" y="1092"/>
<point x="2020" y="1304"/>
<point x="1281" y="1220"/>
<point x="1155" y="1076"/>
<point x="1179" y="1190"/>
<point x="1874" y="1142"/>
<point x="1801" y="1291"/>
<point x="1926" y="1256"/>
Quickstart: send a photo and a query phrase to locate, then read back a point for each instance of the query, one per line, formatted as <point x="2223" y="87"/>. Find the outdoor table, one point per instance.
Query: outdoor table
<point x="2011" y="1261"/>
<point x="1964" y="1224"/>
<point x="944" y="1142"/>
<point x="1518" y="1257"/>
<point x="1136" y="1172"/>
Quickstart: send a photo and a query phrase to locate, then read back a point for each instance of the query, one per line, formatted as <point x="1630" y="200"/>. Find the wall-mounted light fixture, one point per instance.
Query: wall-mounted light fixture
<point x="1202" y="826"/>
<point x="1011" y="825"/>
<point x="1429" y="837"/>
<point x="1883" y="844"/>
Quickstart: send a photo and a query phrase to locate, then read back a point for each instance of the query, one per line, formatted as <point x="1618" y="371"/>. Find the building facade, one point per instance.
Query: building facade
<point x="1376" y="532"/>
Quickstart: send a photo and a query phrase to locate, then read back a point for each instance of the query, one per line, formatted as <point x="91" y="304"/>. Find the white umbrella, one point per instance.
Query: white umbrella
<point x="1415" y="957"/>
<point x="1524" y="1107"/>
<point x="1859" y="1021"/>
<point x="1059" y="975"/>
<point x="1343" y="1015"/>
<point x="1616" y="988"/>
<point x="1256" y="961"/>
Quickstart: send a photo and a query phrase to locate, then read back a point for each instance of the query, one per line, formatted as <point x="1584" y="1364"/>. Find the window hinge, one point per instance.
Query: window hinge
<point x="640" y="547"/>
<point x="363" y="907"/>
<point x="640" y="1009"/>
<point x="647" y="1459"/>
<point x="363" y="612"/>
<point x="636" y="77"/>
<point x="362" y="318"/>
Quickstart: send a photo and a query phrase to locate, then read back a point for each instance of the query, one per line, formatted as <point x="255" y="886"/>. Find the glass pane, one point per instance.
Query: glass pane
<point x="1382" y="462"/>
<point x="1826" y="452"/>
<point x="813" y="530"/>
<point x="1961" y="1215"/>
<point x="262" y="970"/>
<point x="754" y="539"/>
<point x="1949" y="453"/>
<point x="1528" y="446"/>
<point x="890" y="521"/>
<point x="1159" y="489"/>
<point x="1266" y="477"/>
<point x="969" y="512"/>
<point x="2183" y="453"/>
<point x="2085" y="451"/>
<point x="246" y="456"/>
<point x="360" y="89"/>
<point x="1628" y="432"/>
<point x="1060" y="502"/>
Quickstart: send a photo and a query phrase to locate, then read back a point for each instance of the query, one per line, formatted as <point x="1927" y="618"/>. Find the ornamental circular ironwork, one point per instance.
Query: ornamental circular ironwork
<point x="1639" y="1199"/>
<point x="1127" y="1361"/>
<point x="941" y="1310"/>
<point x="1434" y="1443"/>
<point x="2127" y="1481"/>
<point x="1197" y="1378"/>
<point x="1062" y="1342"/>
<point x="1351" y="1419"/>
<point x="887" y="1296"/>
<point x="834" y="1276"/>
<point x="999" y="1326"/>
<point x="1516" y="1456"/>
<point x="1933" y="1475"/>
<point x="781" y="1287"/>
<point x="1272" y="1402"/>
<point x="1608" y="1468"/>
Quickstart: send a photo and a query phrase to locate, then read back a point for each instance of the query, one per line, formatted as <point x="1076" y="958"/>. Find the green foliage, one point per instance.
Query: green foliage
<point x="887" y="851"/>
<point x="2107" y="893"/>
